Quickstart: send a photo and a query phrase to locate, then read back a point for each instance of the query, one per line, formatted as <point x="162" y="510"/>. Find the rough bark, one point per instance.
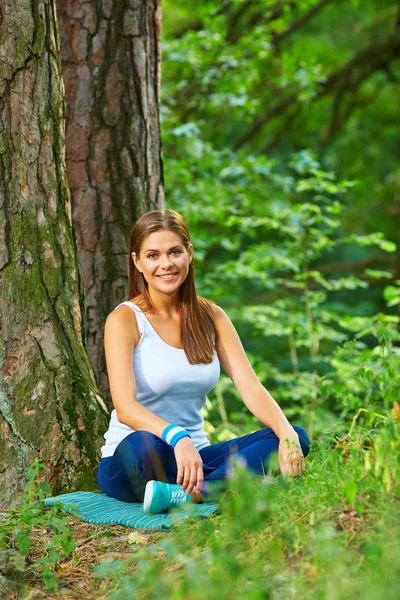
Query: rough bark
<point x="49" y="403"/>
<point x="111" y="61"/>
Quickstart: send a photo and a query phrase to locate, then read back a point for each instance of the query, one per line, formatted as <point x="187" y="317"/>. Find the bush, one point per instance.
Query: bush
<point x="38" y="532"/>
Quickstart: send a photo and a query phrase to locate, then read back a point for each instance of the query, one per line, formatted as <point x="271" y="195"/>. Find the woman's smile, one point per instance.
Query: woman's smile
<point x="168" y="276"/>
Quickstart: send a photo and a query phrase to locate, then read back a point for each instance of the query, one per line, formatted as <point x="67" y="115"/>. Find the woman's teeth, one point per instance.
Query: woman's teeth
<point x="167" y="276"/>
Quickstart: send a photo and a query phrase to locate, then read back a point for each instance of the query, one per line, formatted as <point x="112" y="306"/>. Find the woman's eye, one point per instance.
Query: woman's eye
<point x="176" y="251"/>
<point x="152" y="255"/>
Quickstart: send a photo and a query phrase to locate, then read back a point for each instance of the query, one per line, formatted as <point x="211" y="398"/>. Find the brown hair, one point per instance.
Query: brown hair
<point x="197" y="318"/>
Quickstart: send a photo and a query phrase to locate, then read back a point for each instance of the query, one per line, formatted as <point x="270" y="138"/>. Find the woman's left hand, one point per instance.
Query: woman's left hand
<point x="290" y="454"/>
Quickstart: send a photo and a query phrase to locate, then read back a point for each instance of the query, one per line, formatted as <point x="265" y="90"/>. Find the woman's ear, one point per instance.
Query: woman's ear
<point x="190" y="250"/>
<point x="136" y="261"/>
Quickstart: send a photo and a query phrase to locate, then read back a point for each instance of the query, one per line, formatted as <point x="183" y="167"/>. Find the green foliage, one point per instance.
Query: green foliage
<point x="301" y="258"/>
<point x="274" y="77"/>
<point x="28" y="516"/>
<point x="280" y="270"/>
<point x="287" y="248"/>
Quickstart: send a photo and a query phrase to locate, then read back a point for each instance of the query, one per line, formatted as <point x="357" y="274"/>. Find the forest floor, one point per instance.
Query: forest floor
<point x="75" y="575"/>
<point x="333" y="533"/>
<point x="94" y="544"/>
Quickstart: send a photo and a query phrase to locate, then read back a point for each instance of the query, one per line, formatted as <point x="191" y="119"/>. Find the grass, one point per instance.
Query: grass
<point x="332" y="534"/>
<point x="281" y="539"/>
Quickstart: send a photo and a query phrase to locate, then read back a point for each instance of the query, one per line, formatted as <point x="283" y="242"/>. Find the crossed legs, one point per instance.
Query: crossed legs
<point x="142" y="457"/>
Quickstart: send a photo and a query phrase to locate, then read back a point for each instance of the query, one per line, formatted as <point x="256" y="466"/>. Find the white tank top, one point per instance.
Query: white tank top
<point x="167" y="384"/>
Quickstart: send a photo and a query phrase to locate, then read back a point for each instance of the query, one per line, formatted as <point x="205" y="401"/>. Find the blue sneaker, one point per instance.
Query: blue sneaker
<point x="159" y="496"/>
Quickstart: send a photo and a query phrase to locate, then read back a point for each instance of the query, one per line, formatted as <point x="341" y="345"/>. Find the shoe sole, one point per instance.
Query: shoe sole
<point x="148" y="496"/>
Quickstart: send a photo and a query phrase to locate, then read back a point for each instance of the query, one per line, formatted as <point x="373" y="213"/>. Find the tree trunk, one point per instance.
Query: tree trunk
<point x="49" y="403"/>
<point x="111" y="62"/>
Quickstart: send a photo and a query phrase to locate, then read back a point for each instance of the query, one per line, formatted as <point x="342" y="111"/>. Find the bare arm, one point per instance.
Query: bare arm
<point x="257" y="399"/>
<point x="121" y="336"/>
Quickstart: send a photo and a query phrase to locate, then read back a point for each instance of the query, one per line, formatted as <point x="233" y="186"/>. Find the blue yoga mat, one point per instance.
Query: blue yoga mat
<point x="102" y="510"/>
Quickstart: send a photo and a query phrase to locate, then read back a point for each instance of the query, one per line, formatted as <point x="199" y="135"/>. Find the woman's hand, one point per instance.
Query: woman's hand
<point x="190" y="466"/>
<point x="290" y="454"/>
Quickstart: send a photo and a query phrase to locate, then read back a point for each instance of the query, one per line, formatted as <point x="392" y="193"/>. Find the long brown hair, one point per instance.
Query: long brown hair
<point x="197" y="317"/>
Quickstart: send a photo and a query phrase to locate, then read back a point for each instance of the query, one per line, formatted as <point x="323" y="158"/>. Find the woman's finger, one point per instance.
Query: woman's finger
<point x="298" y="466"/>
<point x="179" y="476"/>
<point x="193" y="479"/>
<point x="186" y="479"/>
<point x="286" y="469"/>
<point x="200" y="479"/>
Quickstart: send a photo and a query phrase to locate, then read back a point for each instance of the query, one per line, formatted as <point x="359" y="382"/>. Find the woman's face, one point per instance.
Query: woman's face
<point x="163" y="260"/>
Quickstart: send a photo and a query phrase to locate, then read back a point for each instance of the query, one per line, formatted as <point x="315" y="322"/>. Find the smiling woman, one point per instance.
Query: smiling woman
<point x="164" y="347"/>
<point x="161" y="282"/>
<point x="166" y="259"/>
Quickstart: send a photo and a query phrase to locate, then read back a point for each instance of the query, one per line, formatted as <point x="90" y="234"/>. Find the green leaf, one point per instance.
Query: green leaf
<point x="391" y="294"/>
<point x="68" y="544"/>
<point x="54" y="555"/>
<point x="350" y="490"/>
<point x="388" y="246"/>
<point x="23" y="544"/>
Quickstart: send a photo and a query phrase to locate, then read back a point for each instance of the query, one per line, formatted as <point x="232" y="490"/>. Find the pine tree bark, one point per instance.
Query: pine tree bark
<point x="111" y="61"/>
<point x="49" y="402"/>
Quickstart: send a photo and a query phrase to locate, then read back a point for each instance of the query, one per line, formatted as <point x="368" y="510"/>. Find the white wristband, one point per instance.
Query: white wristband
<point x="173" y="433"/>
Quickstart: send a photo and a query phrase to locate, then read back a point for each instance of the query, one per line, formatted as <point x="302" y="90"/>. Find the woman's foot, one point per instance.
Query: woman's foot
<point x="159" y="496"/>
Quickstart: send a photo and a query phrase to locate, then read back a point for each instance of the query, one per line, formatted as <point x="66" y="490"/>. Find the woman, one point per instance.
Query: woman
<point x="163" y="349"/>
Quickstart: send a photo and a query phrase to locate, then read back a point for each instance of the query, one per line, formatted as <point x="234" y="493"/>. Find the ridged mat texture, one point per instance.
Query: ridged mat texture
<point x="102" y="510"/>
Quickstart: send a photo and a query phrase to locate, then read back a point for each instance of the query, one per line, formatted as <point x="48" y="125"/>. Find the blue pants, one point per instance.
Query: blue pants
<point x="142" y="456"/>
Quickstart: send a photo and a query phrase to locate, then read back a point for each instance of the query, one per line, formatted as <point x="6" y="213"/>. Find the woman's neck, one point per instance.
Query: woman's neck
<point x="165" y="305"/>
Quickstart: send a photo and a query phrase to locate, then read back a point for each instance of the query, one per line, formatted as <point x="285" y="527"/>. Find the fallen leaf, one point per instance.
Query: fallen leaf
<point x="137" y="538"/>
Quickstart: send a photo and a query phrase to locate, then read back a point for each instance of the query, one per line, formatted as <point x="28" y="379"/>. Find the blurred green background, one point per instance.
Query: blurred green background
<point x="281" y="148"/>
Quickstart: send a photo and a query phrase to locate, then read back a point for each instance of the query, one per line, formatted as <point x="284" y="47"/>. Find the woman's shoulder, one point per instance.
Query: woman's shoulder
<point x="128" y="307"/>
<point x="218" y="314"/>
<point x="122" y="320"/>
<point x="217" y="311"/>
<point x="121" y="311"/>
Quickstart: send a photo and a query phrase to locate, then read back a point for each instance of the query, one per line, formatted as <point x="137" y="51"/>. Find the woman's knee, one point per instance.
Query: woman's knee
<point x="143" y="438"/>
<point x="304" y="439"/>
<point x="268" y="433"/>
<point x="136" y="446"/>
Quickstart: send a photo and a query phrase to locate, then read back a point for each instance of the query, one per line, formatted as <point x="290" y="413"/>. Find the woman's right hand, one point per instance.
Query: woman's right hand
<point x="190" y="466"/>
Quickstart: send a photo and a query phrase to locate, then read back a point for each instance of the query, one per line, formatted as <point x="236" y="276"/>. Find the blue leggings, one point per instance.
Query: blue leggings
<point x="142" y="456"/>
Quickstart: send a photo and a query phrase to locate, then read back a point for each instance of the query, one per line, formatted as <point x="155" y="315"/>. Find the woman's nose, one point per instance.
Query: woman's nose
<point x="165" y="261"/>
